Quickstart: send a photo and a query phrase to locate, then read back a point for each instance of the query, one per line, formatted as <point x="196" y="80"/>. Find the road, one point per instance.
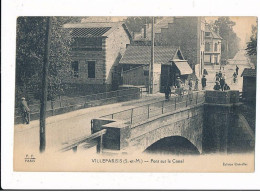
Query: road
<point x="65" y="127"/>
<point x="242" y="61"/>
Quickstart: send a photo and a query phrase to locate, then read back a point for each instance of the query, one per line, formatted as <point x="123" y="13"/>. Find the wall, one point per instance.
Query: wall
<point x="135" y="77"/>
<point x="115" y="48"/>
<point x="82" y="57"/>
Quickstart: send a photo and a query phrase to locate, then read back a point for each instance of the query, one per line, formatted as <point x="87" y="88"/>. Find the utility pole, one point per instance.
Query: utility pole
<point x="152" y="59"/>
<point x="44" y="86"/>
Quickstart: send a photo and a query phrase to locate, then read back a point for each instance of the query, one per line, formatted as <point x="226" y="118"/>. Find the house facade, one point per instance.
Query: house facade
<point x="96" y="50"/>
<point x="188" y="33"/>
<point x="212" y="49"/>
<point x="169" y="63"/>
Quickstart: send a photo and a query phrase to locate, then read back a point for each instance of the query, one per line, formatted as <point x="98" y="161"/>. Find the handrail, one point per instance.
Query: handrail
<point x="162" y="107"/>
<point x="110" y="92"/>
<point x="75" y="143"/>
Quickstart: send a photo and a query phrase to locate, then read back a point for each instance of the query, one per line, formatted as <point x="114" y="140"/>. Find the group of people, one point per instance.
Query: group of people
<point x="220" y="83"/>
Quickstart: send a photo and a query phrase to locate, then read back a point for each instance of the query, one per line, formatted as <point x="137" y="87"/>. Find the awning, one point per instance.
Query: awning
<point x="183" y="67"/>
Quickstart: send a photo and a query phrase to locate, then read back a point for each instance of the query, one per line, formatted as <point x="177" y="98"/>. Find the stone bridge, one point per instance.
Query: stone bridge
<point x="207" y="126"/>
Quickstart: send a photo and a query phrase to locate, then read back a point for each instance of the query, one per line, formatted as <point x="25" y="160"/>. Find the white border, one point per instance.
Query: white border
<point x="14" y="180"/>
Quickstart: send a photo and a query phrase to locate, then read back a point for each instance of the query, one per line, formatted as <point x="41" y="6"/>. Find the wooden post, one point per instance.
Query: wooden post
<point x="175" y="103"/>
<point x="187" y="100"/>
<point x="44" y="86"/>
<point x="152" y="59"/>
<point x="197" y="97"/>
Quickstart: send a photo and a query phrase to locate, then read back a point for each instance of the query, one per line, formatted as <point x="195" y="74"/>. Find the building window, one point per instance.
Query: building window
<point x="146" y="73"/>
<point x="216" y="47"/>
<point x="207" y="33"/>
<point x="207" y="47"/>
<point x="75" y="68"/>
<point x="91" y="69"/>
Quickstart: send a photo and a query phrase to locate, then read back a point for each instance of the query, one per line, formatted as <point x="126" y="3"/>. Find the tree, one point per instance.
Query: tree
<point x="31" y="42"/>
<point x="230" y="42"/>
<point x="251" y="48"/>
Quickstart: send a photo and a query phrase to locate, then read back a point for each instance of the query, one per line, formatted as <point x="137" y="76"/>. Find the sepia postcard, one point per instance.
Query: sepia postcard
<point x="135" y="94"/>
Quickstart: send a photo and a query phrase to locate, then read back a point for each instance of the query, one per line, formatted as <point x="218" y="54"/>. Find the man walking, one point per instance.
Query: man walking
<point x="222" y="83"/>
<point x="203" y="82"/>
<point x="25" y="111"/>
<point x="237" y="68"/>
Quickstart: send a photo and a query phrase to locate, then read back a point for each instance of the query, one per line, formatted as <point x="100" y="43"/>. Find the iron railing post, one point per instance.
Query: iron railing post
<point x="132" y="115"/>
<point x="162" y="106"/>
<point x="148" y="110"/>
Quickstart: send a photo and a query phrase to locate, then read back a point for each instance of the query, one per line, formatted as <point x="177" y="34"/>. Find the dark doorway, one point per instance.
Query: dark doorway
<point x="174" y="145"/>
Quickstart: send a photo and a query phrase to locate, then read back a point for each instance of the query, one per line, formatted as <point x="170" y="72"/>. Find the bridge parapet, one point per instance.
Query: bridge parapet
<point x="222" y="97"/>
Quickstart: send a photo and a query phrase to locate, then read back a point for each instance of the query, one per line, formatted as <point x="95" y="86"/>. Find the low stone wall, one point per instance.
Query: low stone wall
<point x="222" y="97"/>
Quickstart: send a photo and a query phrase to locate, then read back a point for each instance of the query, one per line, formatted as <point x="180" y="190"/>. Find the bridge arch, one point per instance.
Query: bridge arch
<point x="176" y="145"/>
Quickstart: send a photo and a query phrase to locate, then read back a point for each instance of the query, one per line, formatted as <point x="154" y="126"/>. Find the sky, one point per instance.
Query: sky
<point x="242" y="27"/>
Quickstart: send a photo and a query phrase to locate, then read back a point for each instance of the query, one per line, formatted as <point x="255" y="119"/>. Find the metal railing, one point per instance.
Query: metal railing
<point x="73" y="145"/>
<point x="142" y="113"/>
<point x="84" y="101"/>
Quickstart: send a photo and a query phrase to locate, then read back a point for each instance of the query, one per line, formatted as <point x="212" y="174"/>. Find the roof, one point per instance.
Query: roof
<point x="141" y="55"/>
<point x="95" y="29"/>
<point x="214" y="34"/>
<point x="163" y="23"/>
<point x="249" y="72"/>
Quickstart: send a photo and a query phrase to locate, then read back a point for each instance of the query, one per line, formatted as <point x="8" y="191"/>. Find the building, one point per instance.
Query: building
<point x="188" y="33"/>
<point x="212" y="49"/>
<point x="249" y="85"/>
<point x="96" y="50"/>
<point x="169" y="63"/>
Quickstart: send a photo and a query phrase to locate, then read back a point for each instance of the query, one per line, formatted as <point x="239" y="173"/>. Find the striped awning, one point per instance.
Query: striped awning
<point x="183" y="67"/>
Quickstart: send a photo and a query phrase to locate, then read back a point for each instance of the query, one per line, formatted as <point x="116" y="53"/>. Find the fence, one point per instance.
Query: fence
<point x="141" y="113"/>
<point x="66" y="104"/>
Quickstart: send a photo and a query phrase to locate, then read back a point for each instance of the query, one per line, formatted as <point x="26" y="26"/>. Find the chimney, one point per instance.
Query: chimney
<point x="145" y="31"/>
<point x="133" y="36"/>
<point x="217" y="30"/>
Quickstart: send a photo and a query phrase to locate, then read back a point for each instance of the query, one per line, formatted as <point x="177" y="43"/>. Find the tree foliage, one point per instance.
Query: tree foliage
<point x="230" y="38"/>
<point x="252" y="44"/>
<point x="30" y="47"/>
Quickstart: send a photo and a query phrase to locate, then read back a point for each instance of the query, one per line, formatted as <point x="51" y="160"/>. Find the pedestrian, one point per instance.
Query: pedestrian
<point x="217" y="86"/>
<point x="234" y="77"/>
<point x="222" y="83"/>
<point x="203" y="82"/>
<point x="25" y="111"/>
<point x="205" y="72"/>
<point x="167" y="92"/>
<point x="190" y="84"/>
<point x="226" y="87"/>
<point x="237" y="68"/>
<point x="178" y="82"/>
<point x="220" y="75"/>
<point x="217" y="76"/>
<point x="196" y="87"/>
